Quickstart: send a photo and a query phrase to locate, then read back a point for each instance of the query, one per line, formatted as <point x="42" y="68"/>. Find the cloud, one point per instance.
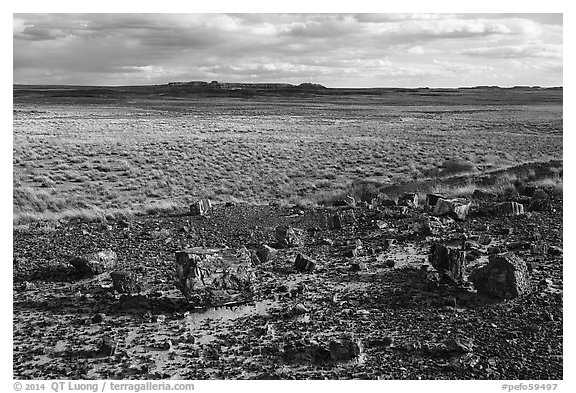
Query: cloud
<point x="334" y="49"/>
<point x="462" y="68"/>
<point x="517" y="51"/>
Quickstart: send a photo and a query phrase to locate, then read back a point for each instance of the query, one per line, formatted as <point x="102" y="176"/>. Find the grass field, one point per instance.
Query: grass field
<point x="103" y="156"/>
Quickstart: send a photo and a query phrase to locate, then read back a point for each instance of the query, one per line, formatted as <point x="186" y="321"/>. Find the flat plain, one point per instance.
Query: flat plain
<point x="78" y="155"/>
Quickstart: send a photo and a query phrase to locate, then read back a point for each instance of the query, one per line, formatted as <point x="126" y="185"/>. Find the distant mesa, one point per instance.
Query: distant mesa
<point x="215" y="85"/>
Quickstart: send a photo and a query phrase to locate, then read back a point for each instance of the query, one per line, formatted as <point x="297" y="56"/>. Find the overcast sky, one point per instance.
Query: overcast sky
<point x="336" y="50"/>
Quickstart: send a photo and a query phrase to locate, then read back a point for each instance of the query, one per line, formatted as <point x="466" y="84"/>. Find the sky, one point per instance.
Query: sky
<point x="335" y="50"/>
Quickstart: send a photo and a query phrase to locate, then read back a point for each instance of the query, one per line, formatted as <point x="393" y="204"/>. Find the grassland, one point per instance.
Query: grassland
<point x="103" y="156"/>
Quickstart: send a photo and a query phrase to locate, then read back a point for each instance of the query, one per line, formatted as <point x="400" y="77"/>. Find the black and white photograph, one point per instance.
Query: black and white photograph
<point x="287" y="196"/>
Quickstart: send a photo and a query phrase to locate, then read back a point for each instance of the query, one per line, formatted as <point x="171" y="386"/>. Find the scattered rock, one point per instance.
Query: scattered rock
<point x="334" y="221"/>
<point x="201" y="208"/>
<point x="344" y="349"/>
<point x="539" y="194"/>
<point x="555" y="251"/>
<point x="380" y="224"/>
<point x="214" y="276"/>
<point x="472" y="254"/>
<point x="266" y="253"/>
<point x="95" y="263"/>
<point x="539" y="205"/>
<point x="408" y="199"/>
<point x="427" y="226"/>
<point x="432" y="199"/>
<point x="97" y="318"/>
<point x="495" y="250"/>
<point x="286" y="237"/>
<point x="383" y="200"/>
<point x="456" y="208"/>
<point x="304" y="263"/>
<point x="510" y="208"/>
<point x="539" y="248"/>
<point x="380" y="341"/>
<point x="450" y="262"/>
<point x="485" y="239"/>
<point x="126" y="282"/>
<point x="357" y="266"/>
<point x="107" y="347"/>
<point x="299" y="309"/>
<point x="505" y="276"/>
<point x="326" y="242"/>
<point x="484" y="195"/>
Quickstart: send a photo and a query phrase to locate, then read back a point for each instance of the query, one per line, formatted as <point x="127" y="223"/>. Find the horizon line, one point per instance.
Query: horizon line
<point x="293" y="84"/>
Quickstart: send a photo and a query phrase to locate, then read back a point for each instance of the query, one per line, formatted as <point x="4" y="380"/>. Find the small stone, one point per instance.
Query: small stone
<point x="126" y="282"/>
<point x="266" y="253"/>
<point x="540" y="194"/>
<point x="326" y="242"/>
<point x="510" y="208"/>
<point x="304" y="263"/>
<point x="345" y="349"/>
<point x="356" y="267"/>
<point x="97" y="318"/>
<point x="431" y="199"/>
<point x="555" y="251"/>
<point x="484" y="195"/>
<point x="495" y="250"/>
<point x="408" y="199"/>
<point x="286" y="236"/>
<point x="299" y="309"/>
<point x="107" y="347"/>
<point x="353" y="253"/>
<point x="485" y="239"/>
<point x="390" y="263"/>
<point x="384" y="341"/>
<point x="201" y="207"/>
<point x="380" y="224"/>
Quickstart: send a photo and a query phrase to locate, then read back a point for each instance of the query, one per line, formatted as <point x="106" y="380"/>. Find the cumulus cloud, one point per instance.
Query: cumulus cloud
<point x="333" y="49"/>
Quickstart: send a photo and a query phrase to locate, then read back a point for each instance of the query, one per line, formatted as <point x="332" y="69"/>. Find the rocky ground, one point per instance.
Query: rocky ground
<point x="370" y="309"/>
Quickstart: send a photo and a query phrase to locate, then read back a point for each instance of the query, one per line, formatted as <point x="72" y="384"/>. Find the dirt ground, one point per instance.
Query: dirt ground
<point x="378" y="302"/>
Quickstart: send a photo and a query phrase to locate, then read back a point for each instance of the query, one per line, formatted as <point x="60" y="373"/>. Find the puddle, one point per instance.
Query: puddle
<point x="226" y="313"/>
<point x="201" y="322"/>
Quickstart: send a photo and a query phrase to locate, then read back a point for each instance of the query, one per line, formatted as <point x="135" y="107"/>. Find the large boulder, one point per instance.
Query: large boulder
<point x="456" y="208"/>
<point x="95" y="263"/>
<point x="209" y="277"/>
<point x="505" y="276"/>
